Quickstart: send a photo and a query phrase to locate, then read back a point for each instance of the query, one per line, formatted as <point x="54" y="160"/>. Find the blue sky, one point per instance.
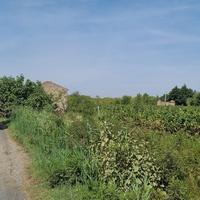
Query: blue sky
<point x="108" y="48"/>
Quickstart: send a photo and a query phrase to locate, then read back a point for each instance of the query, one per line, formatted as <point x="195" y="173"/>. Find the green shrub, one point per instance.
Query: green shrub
<point x="15" y="92"/>
<point x="123" y="160"/>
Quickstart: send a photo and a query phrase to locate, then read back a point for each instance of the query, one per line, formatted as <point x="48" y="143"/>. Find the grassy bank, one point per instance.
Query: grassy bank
<point x="92" y="158"/>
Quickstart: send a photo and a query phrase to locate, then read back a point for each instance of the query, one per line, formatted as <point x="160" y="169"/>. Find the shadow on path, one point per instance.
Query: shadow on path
<point x="4" y="124"/>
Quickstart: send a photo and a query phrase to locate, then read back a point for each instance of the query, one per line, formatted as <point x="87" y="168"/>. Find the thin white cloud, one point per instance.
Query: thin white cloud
<point x="165" y="37"/>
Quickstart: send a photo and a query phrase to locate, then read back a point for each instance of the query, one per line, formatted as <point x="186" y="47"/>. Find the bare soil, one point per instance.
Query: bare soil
<point x="13" y="163"/>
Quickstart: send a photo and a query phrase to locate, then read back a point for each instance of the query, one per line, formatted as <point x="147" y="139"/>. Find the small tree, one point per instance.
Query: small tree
<point x="195" y="100"/>
<point x="138" y="99"/>
<point x="126" y="100"/>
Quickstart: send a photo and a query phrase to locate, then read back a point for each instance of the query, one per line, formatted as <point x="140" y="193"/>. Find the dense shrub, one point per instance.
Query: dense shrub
<point x="124" y="160"/>
<point x="81" y="104"/>
<point x="17" y="91"/>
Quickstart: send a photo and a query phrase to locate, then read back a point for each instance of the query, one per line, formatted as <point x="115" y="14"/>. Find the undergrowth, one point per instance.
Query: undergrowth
<point x="93" y="159"/>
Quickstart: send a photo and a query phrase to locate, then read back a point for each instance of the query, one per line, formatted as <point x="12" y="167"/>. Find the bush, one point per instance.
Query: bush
<point x="15" y="92"/>
<point x="123" y="160"/>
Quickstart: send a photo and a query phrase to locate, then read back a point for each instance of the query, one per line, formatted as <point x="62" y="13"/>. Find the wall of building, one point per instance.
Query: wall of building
<point x="162" y="103"/>
<point x="59" y="94"/>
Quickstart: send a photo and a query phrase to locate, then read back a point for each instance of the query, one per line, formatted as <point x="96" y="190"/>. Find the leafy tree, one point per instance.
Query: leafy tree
<point x="174" y="94"/>
<point x="138" y="99"/>
<point x="195" y="100"/>
<point x="149" y="100"/>
<point x="144" y="99"/>
<point x="17" y="91"/>
<point x="117" y="101"/>
<point x="185" y="94"/>
<point x="180" y="95"/>
<point x="76" y="94"/>
<point x="126" y="100"/>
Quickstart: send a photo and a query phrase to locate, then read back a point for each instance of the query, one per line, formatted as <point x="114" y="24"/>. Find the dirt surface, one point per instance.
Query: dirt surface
<point x="12" y="168"/>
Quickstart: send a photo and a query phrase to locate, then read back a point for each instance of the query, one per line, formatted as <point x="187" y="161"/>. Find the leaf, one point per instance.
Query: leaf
<point x="136" y="169"/>
<point x="139" y="157"/>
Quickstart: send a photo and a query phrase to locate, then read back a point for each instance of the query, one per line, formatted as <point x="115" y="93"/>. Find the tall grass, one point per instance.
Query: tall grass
<point x="69" y="158"/>
<point x="47" y="141"/>
<point x="62" y="157"/>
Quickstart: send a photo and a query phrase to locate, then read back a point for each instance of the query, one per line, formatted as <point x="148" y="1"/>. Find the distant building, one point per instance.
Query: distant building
<point x="162" y="103"/>
<point x="59" y="94"/>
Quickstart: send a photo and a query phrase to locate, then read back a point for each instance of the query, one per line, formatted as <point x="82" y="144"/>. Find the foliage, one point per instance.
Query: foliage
<point x="140" y="152"/>
<point x="123" y="160"/>
<point x="195" y="100"/>
<point x="144" y="99"/>
<point x="14" y="92"/>
<point x="49" y="140"/>
<point x="126" y="100"/>
<point x="161" y="118"/>
<point x="180" y="95"/>
<point x="81" y="104"/>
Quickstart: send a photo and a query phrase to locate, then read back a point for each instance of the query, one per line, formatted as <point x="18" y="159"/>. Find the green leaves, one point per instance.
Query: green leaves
<point x="115" y="159"/>
<point x="81" y="104"/>
<point x="180" y="95"/>
<point x="17" y="91"/>
<point x="123" y="160"/>
<point x="161" y="118"/>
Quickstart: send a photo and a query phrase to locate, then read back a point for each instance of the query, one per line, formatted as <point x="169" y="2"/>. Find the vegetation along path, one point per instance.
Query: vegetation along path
<point x="11" y="168"/>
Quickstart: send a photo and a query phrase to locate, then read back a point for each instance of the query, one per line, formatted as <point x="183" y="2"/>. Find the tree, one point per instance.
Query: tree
<point x="174" y="94"/>
<point x="138" y="99"/>
<point x="76" y="94"/>
<point x="117" y="101"/>
<point x="195" y="100"/>
<point x="17" y="91"/>
<point x="180" y="95"/>
<point x="126" y="100"/>
<point x="144" y="99"/>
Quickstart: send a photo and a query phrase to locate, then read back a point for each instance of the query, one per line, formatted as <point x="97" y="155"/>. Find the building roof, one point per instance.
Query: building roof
<point x="51" y="84"/>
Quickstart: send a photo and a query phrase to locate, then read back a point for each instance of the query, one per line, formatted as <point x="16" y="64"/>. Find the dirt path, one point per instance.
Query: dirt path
<point x="12" y="167"/>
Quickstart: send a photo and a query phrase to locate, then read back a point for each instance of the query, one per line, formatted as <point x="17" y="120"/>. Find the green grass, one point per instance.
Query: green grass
<point x="69" y="167"/>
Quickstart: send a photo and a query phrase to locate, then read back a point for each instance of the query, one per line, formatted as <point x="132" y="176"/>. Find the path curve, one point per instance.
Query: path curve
<point x="11" y="168"/>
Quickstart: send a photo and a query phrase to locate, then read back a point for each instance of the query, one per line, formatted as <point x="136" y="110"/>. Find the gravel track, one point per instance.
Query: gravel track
<point x="12" y="167"/>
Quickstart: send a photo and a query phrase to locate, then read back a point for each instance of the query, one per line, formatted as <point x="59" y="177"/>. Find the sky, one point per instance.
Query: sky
<point x="108" y="48"/>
